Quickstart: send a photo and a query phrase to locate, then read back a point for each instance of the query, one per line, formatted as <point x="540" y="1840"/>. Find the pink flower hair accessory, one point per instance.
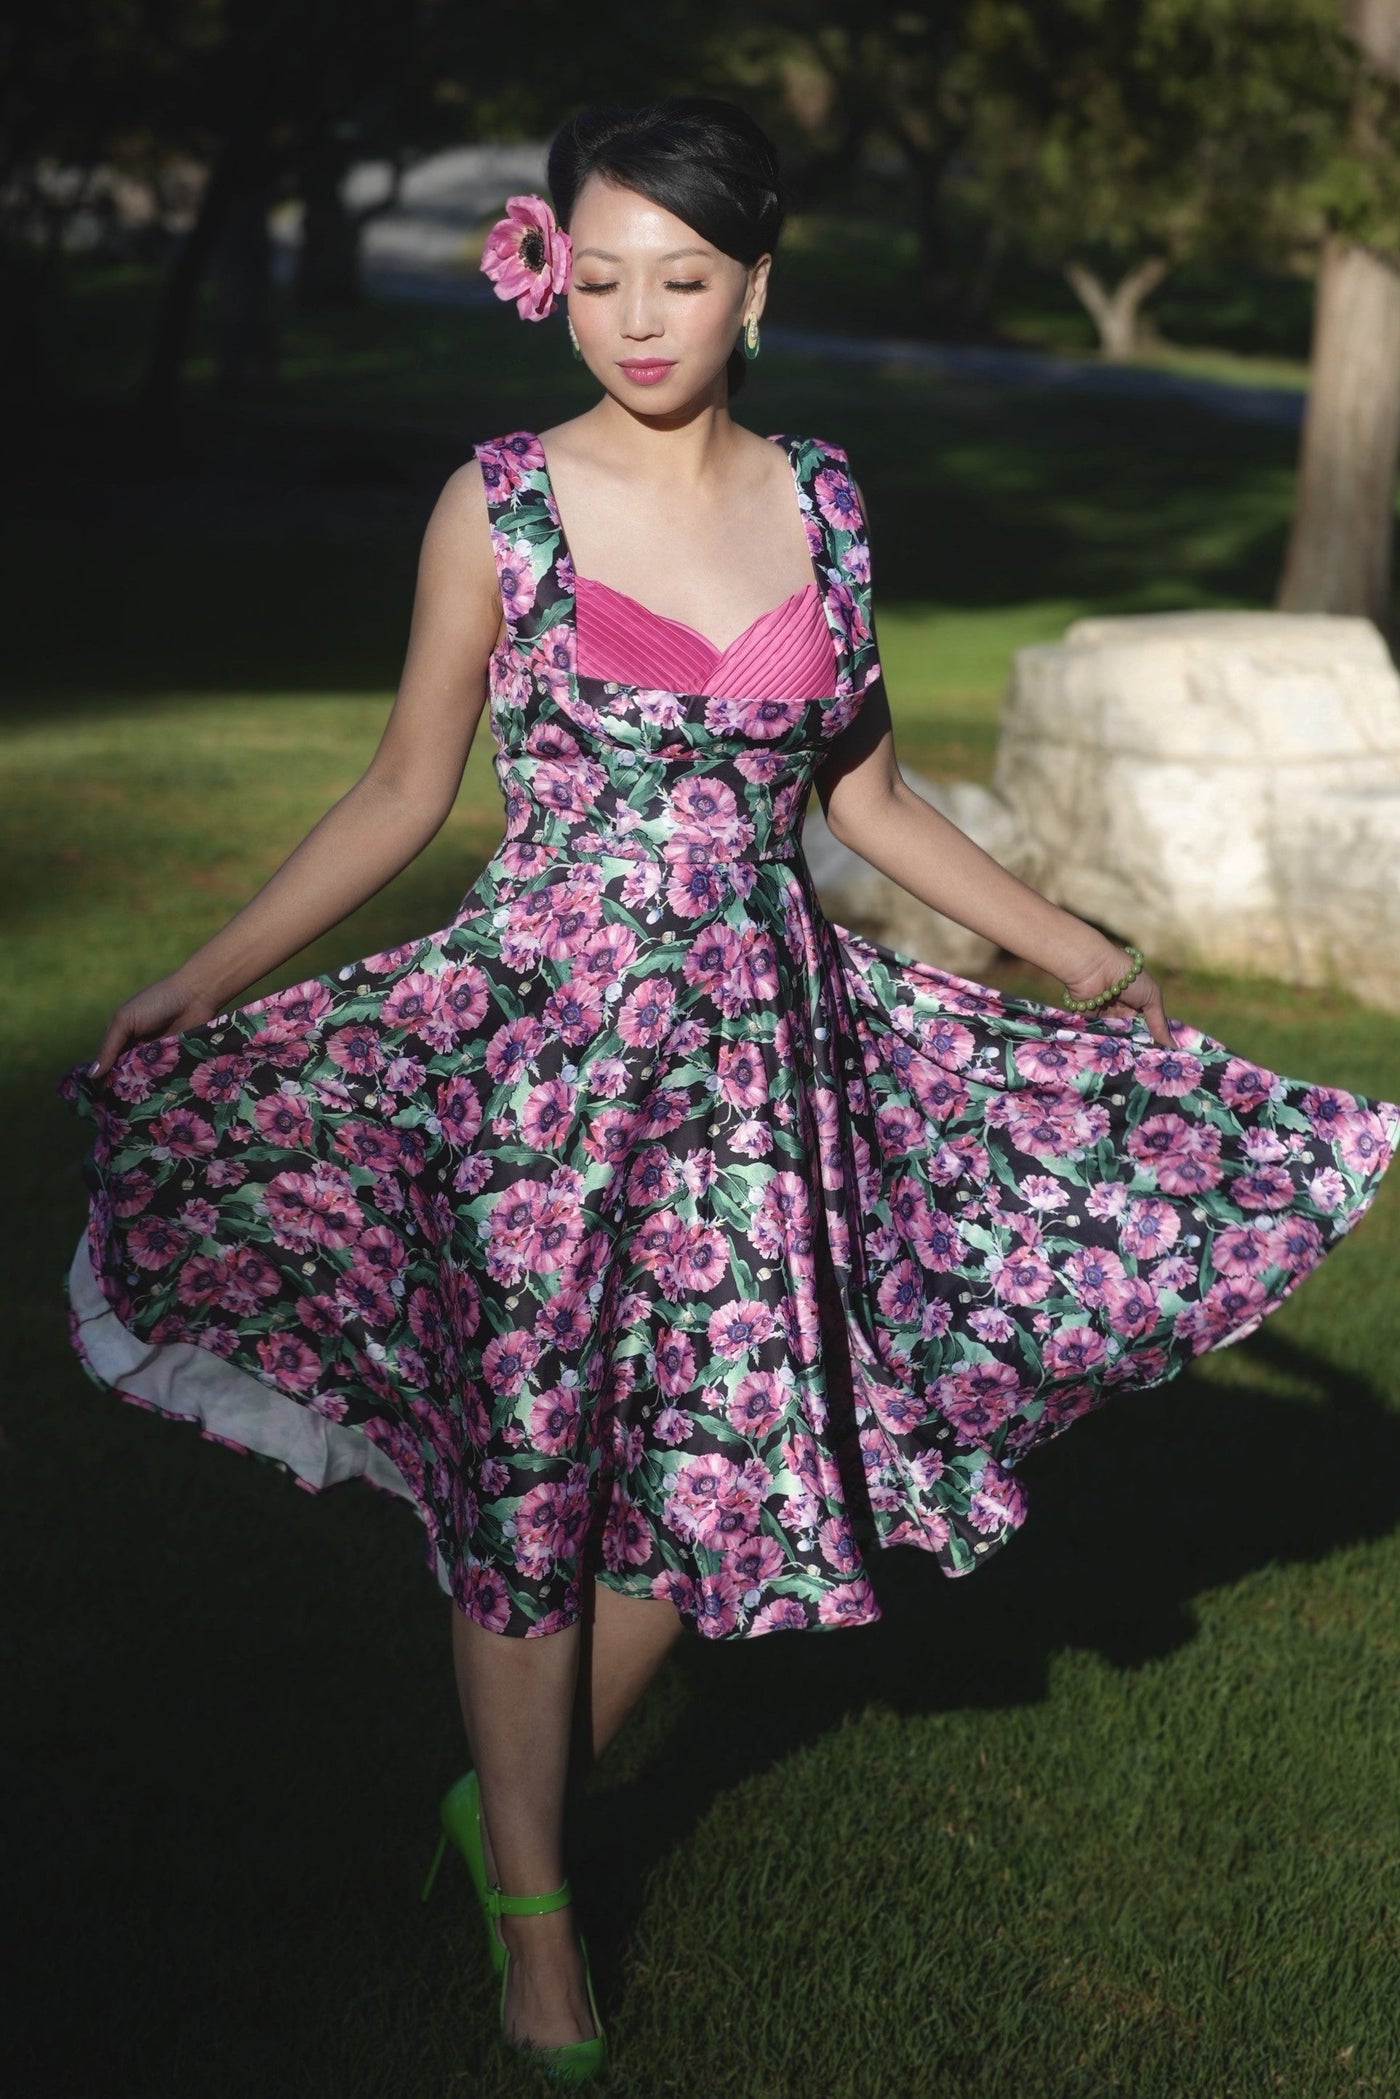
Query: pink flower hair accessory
<point x="528" y="256"/>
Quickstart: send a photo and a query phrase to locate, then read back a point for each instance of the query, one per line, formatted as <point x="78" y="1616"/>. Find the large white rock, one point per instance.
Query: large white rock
<point x="1221" y="787"/>
<point x="858" y="896"/>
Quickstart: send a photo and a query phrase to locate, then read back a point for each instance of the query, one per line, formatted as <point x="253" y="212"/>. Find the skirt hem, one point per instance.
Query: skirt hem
<point x="241" y="1413"/>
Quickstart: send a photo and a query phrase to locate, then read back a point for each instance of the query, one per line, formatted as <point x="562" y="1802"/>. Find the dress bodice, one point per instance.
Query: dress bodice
<point x="712" y="766"/>
<point x="784" y="654"/>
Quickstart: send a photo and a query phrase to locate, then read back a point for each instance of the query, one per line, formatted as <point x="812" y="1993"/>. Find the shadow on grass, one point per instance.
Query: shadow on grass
<point x="236" y="1714"/>
<point x="1161" y="1496"/>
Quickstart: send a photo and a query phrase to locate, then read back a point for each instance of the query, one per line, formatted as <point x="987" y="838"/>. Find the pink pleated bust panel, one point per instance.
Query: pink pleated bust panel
<point x="785" y="654"/>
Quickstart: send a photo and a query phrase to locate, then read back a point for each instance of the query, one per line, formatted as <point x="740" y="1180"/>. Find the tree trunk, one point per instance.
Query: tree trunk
<point x="31" y="294"/>
<point x="1343" y="530"/>
<point x="246" y="332"/>
<point x="943" y="299"/>
<point x="1114" y="310"/>
<point x="1375" y="24"/>
<point x="328" y="264"/>
<point x="160" y="385"/>
<point x="979" y="293"/>
<point x="1339" y="548"/>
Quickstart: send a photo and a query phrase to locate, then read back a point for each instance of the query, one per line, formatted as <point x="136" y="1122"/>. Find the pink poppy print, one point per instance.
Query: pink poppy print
<point x="645" y="1221"/>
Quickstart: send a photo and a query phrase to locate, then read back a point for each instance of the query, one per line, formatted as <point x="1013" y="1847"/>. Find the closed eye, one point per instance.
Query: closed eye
<point x="693" y="284"/>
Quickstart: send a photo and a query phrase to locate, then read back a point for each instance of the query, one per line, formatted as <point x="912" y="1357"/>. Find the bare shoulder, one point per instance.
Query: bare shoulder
<point x="463" y="496"/>
<point x="459" y="531"/>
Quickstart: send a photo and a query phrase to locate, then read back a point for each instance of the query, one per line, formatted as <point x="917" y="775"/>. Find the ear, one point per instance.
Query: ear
<point x="758" y="287"/>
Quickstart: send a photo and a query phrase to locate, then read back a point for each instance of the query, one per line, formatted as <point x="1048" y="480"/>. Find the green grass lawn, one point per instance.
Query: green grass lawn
<point x="1119" y="1819"/>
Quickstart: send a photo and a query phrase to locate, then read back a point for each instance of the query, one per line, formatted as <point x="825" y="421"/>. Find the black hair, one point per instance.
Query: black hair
<point x="705" y="161"/>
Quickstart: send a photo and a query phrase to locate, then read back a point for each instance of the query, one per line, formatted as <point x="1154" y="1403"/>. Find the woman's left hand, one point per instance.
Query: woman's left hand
<point x="1143" y="996"/>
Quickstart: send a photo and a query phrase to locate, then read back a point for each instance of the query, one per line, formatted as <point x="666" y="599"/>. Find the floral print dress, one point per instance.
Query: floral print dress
<point x="641" y="1220"/>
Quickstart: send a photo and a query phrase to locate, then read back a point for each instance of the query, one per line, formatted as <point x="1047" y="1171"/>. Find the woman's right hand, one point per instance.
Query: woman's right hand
<point x="163" y="1008"/>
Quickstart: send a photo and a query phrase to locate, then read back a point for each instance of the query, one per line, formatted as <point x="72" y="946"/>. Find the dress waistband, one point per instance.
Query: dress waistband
<point x="551" y="838"/>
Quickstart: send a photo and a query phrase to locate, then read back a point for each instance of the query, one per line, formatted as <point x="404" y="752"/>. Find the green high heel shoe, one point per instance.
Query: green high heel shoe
<point x="460" y="1815"/>
<point x="571" y="2062"/>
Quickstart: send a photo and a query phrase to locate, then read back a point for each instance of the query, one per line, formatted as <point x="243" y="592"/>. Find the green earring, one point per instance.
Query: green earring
<point x="750" y="338"/>
<point x="573" y="339"/>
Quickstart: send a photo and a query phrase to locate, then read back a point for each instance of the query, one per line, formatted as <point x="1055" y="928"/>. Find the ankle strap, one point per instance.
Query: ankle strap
<point x="499" y="1905"/>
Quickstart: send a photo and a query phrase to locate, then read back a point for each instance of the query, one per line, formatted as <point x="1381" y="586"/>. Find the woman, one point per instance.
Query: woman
<point x="647" y="1231"/>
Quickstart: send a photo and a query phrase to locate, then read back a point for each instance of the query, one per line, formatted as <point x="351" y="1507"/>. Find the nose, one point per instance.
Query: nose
<point x="641" y="315"/>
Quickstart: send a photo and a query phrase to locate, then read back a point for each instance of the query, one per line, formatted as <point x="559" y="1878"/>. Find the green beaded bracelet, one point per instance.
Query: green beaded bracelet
<point x="1104" y="998"/>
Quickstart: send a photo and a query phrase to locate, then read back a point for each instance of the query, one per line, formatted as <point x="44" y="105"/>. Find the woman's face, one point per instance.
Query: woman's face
<point x="656" y="309"/>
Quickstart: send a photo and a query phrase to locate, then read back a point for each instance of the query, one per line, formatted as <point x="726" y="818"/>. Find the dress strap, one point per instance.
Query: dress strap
<point x="527" y="539"/>
<point x="841" y="550"/>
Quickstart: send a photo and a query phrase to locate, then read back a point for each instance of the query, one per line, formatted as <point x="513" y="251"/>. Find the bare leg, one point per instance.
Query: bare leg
<point x="519" y="1710"/>
<point x="517" y="1699"/>
<point x="625" y="1641"/>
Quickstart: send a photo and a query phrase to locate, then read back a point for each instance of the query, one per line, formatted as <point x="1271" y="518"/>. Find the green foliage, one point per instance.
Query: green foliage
<point x="139" y="82"/>
<point x="1358" y="189"/>
<point x="1179" y="127"/>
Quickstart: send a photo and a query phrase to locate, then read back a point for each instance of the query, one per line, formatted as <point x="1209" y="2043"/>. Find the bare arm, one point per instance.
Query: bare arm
<point x="399" y="803"/>
<point x="870" y="807"/>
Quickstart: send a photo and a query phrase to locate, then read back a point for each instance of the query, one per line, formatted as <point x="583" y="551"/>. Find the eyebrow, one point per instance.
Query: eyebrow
<point x="674" y="256"/>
